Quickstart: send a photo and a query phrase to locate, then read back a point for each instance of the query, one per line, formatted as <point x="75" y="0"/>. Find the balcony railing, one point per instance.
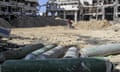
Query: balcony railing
<point x="29" y="8"/>
<point x="4" y="3"/>
<point x="16" y="13"/>
<point x="32" y="0"/>
<point x="13" y="2"/>
<point x="20" y="4"/>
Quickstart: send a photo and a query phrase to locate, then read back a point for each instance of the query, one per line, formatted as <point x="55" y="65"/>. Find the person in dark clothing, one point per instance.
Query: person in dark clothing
<point x="69" y="23"/>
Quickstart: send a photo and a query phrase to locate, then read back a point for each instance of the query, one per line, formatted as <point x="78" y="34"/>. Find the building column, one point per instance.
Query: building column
<point x="103" y="13"/>
<point x="97" y="10"/>
<point x="64" y="17"/>
<point x="115" y="10"/>
<point x="81" y="14"/>
<point x="9" y="18"/>
<point x="115" y="13"/>
<point x="46" y="13"/>
<point x="0" y="8"/>
<point x="7" y="9"/>
<point x="53" y="14"/>
<point x="97" y="14"/>
<point x="58" y="14"/>
<point x="75" y="16"/>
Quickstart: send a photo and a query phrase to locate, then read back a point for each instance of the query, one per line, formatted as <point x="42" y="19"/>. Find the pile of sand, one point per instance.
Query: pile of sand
<point x="4" y="23"/>
<point x="93" y="24"/>
<point x="114" y="27"/>
<point x="27" y="21"/>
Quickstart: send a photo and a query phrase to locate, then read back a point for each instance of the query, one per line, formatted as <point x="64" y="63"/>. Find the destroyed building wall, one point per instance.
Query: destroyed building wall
<point x="12" y="8"/>
<point x="86" y="9"/>
<point x="64" y="8"/>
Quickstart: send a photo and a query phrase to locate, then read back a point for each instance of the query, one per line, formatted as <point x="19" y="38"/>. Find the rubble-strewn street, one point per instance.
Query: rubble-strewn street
<point x="64" y="36"/>
<point x="59" y="35"/>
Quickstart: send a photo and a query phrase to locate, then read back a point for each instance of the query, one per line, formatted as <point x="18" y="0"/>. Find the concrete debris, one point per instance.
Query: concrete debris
<point x="27" y="21"/>
<point x="19" y="52"/>
<point x="4" y="23"/>
<point x="93" y="24"/>
<point x="85" y="35"/>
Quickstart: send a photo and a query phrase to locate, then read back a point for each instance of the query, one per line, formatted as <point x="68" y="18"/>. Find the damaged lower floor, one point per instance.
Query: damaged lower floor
<point x="99" y="10"/>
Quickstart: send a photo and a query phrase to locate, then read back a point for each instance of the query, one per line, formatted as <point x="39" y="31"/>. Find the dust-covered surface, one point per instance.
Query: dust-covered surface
<point x="93" y="24"/>
<point x="62" y="35"/>
<point x="89" y="36"/>
<point x="65" y="36"/>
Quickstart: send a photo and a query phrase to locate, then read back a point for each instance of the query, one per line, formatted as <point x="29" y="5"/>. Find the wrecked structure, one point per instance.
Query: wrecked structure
<point x="64" y="8"/>
<point x="10" y="9"/>
<point x="85" y="9"/>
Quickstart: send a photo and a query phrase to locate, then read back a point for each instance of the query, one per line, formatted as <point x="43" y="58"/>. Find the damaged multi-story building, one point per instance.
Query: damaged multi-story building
<point x="64" y="8"/>
<point x="85" y="9"/>
<point x="11" y="8"/>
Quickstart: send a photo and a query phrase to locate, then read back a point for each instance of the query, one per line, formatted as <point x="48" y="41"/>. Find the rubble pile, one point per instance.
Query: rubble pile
<point x="68" y="47"/>
<point x="27" y="21"/>
<point x="4" y="23"/>
<point x="93" y="24"/>
<point x="35" y="53"/>
<point x="4" y="46"/>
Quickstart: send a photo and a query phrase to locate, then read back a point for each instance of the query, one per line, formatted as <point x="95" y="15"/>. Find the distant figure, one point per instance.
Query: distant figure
<point x="69" y="23"/>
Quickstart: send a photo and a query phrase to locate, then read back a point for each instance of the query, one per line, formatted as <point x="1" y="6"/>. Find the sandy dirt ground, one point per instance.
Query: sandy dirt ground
<point x="81" y="38"/>
<point x="64" y="36"/>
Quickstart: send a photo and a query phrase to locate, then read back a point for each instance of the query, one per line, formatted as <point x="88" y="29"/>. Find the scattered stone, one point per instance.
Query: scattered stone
<point x="116" y="30"/>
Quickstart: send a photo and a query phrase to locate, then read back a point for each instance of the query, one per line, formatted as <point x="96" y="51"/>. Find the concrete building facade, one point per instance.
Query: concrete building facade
<point x="64" y="8"/>
<point x="85" y="9"/>
<point x="12" y="8"/>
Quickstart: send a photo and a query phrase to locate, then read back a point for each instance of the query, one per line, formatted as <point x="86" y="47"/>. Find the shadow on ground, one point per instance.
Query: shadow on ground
<point x="92" y="40"/>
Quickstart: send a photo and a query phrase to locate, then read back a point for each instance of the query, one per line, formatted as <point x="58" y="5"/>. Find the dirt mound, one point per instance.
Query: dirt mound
<point x="26" y="21"/>
<point x="114" y="27"/>
<point x="93" y="24"/>
<point x="4" y="23"/>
